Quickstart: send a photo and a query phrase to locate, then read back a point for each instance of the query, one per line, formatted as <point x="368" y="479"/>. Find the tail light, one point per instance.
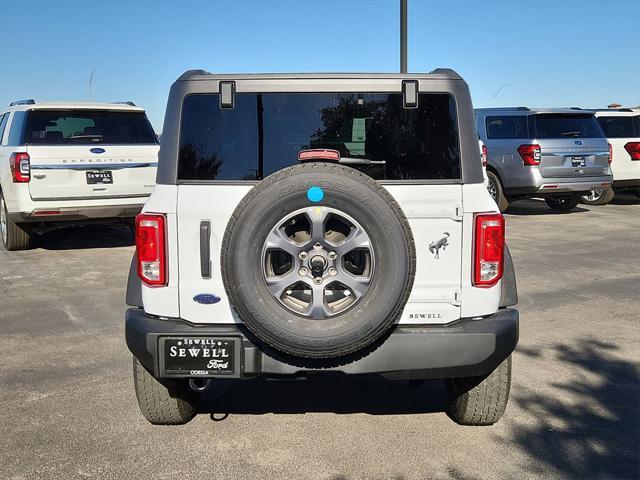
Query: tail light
<point x="318" y="154"/>
<point x="485" y="155"/>
<point x="610" y="153"/>
<point x="150" y="248"/>
<point x="20" y="165"/>
<point x="633" y="148"/>
<point x="530" y="154"/>
<point x="488" y="262"/>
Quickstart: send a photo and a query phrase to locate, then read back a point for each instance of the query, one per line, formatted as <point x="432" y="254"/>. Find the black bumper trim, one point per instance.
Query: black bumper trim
<point x="626" y="184"/>
<point x="467" y="348"/>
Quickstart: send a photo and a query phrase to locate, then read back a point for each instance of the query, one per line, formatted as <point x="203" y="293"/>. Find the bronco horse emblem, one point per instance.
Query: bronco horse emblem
<point x="436" y="245"/>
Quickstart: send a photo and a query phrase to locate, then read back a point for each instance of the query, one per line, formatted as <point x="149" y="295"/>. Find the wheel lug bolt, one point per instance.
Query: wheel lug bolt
<point x="303" y="272"/>
<point x="317" y="280"/>
<point x="333" y="272"/>
<point x="302" y="255"/>
<point x="333" y="255"/>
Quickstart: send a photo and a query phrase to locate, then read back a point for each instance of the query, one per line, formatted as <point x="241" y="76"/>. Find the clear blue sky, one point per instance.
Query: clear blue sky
<point x="548" y="53"/>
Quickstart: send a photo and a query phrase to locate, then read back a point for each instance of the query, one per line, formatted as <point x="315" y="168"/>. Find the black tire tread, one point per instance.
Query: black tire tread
<point x="606" y="197"/>
<point x="161" y="403"/>
<point x="18" y="237"/>
<point x="503" y="202"/>
<point x="480" y="401"/>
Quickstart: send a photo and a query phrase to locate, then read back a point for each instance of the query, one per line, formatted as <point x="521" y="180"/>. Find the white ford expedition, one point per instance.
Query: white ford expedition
<point x="622" y="129"/>
<point x="314" y="224"/>
<point x="72" y="162"/>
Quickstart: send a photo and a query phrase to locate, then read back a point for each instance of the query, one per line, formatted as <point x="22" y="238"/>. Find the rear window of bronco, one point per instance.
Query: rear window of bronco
<point x="373" y="132"/>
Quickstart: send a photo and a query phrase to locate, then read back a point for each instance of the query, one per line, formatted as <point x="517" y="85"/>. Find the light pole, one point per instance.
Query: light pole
<point x="403" y="36"/>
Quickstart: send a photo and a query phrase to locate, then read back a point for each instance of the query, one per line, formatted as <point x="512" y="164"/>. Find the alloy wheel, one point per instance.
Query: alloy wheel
<point x="493" y="189"/>
<point x="594" y="195"/>
<point x="318" y="262"/>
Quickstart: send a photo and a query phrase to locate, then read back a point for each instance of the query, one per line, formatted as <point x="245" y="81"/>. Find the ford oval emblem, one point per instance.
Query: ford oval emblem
<point x="578" y="142"/>
<point x="206" y="298"/>
<point x="97" y="150"/>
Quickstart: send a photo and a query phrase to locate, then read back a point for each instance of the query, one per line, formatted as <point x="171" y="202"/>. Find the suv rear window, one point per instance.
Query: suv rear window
<point x="263" y="133"/>
<point x="507" y="127"/>
<point x="88" y="127"/>
<point x="554" y="125"/>
<point x="620" y="127"/>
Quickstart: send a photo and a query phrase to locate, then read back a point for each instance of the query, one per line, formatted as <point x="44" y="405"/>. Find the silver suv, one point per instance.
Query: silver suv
<point x="556" y="154"/>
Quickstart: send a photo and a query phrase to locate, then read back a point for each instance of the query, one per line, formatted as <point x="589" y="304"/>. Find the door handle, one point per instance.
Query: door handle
<point x="205" y="249"/>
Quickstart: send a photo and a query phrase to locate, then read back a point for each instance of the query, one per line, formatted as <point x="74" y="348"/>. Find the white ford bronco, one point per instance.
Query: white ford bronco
<point x="320" y="223"/>
<point x="63" y="163"/>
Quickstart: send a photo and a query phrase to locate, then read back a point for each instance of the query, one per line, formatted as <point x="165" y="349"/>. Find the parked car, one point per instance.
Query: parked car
<point x="308" y="224"/>
<point x="484" y="159"/>
<point x="622" y="129"/>
<point x="63" y="162"/>
<point x="555" y="154"/>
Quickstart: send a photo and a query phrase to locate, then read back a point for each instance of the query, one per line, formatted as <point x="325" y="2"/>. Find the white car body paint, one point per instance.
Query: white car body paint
<point x="622" y="167"/>
<point x="58" y="171"/>
<point x="442" y="291"/>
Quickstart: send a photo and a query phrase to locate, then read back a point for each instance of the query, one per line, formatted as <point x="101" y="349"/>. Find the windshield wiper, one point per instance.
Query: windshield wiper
<point x="95" y="138"/>
<point x="361" y="161"/>
<point x="571" y="134"/>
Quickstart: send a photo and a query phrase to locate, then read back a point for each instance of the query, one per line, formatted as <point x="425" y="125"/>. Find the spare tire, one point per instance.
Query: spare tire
<point x="318" y="260"/>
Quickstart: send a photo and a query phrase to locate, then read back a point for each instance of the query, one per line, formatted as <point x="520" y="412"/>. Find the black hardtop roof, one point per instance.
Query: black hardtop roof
<point x="438" y="73"/>
<point x="441" y="80"/>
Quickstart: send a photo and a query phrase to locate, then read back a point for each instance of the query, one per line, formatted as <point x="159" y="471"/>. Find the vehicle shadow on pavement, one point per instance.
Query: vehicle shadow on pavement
<point x="323" y="393"/>
<point x="84" y="237"/>
<point x="538" y="207"/>
<point x="591" y="427"/>
<point x="625" y="199"/>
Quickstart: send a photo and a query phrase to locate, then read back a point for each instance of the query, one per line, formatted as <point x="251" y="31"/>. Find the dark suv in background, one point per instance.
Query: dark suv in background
<point x="556" y="154"/>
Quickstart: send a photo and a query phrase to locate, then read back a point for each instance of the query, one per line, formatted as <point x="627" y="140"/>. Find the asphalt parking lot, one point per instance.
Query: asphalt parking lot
<point x="69" y="409"/>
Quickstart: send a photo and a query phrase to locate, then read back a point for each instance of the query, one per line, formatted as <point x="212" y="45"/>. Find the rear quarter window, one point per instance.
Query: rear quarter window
<point x="507" y="127"/>
<point x="16" y="130"/>
<point x="3" y="123"/>
<point x="264" y="133"/>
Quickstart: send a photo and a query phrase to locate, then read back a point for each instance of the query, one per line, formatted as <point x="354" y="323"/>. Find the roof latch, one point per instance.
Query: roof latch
<point x="227" y="94"/>
<point x="410" y="93"/>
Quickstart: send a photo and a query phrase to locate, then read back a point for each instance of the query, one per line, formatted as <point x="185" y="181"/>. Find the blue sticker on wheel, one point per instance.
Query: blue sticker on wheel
<point x="315" y="194"/>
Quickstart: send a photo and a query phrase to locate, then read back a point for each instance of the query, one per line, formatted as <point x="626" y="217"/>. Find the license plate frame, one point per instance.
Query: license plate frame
<point x="99" y="177"/>
<point x="578" y="161"/>
<point x="192" y="367"/>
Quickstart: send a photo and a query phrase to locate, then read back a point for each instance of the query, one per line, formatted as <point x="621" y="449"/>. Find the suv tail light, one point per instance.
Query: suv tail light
<point x="488" y="260"/>
<point x="530" y="154"/>
<point x="634" y="150"/>
<point x="150" y="248"/>
<point x="610" y="153"/>
<point x="485" y="155"/>
<point x="20" y="165"/>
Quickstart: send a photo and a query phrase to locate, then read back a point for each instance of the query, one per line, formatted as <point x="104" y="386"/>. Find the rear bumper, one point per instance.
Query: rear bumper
<point x="626" y="184"/>
<point x="546" y="187"/>
<point x="467" y="348"/>
<point x="53" y="213"/>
